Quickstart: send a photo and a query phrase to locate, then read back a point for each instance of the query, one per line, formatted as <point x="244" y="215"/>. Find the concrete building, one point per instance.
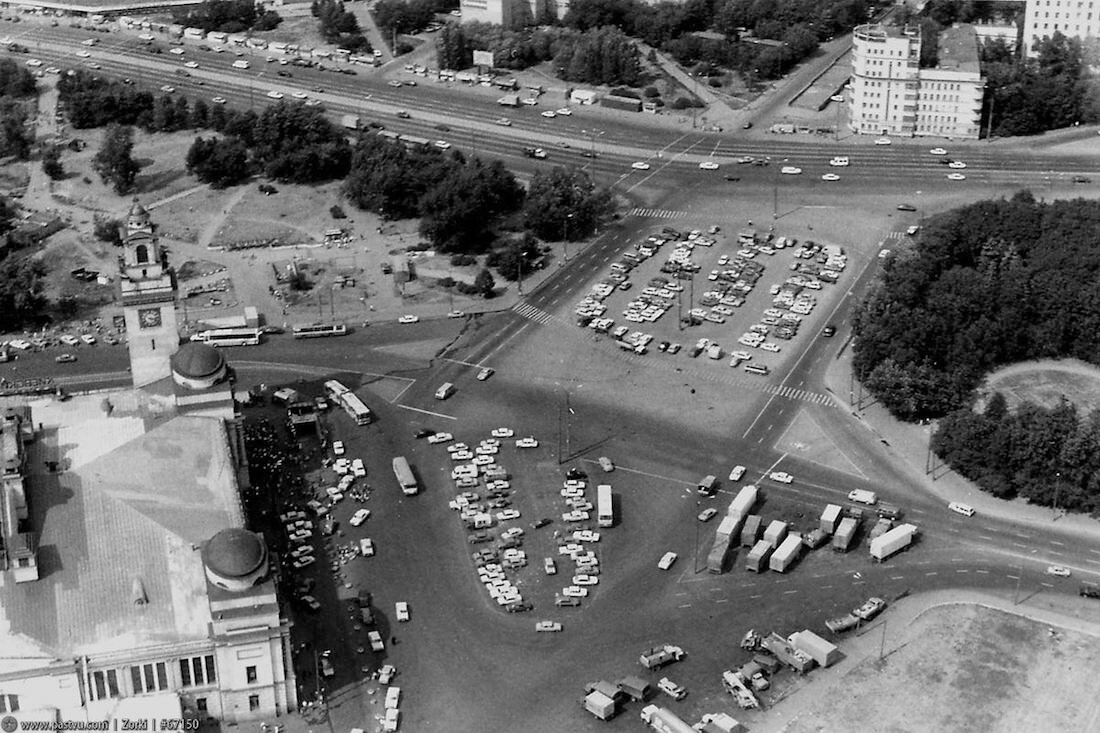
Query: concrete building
<point x="1073" y="18"/>
<point x="130" y="586"/>
<point x="892" y="95"/>
<point x="513" y="14"/>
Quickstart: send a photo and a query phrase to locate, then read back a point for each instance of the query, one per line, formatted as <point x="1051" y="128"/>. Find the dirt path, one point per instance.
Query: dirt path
<point x="217" y="221"/>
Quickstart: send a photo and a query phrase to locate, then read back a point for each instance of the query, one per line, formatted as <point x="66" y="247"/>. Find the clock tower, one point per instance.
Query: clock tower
<point x="148" y="300"/>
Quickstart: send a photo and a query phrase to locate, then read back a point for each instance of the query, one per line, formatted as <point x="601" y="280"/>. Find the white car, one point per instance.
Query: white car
<point x="358" y="469"/>
<point x="83" y="54"/>
<point x="606" y="464"/>
<point x="790" y="170"/>
<point x="462" y="455"/>
<point x="738" y="471"/>
<point x="963" y="509"/>
<point x="547" y="626"/>
<point x="574" y="591"/>
<point x="527" y="443"/>
<point x="366" y="547"/>
<point x="830" y="177"/>
<point x="839" y="161"/>
<point x="457" y="448"/>
<point x="666" y="560"/>
<point x="549" y="114"/>
<point x="670" y="688"/>
<point x="483" y="460"/>
<point x="402" y="608"/>
<point x="956" y="177"/>
<point x="192" y="64"/>
<point x="218" y="100"/>
<point x="708" y="165"/>
<point x="88" y="339"/>
<point x="359" y="517"/>
<point x="168" y="89"/>
<point x="640" y="166"/>
<point x="707" y="514"/>
<point x="442" y="144"/>
<point x="177" y="51"/>
<point x="1058" y="570"/>
<point x="769" y="346"/>
<point x="507" y="514"/>
<point x="883" y="141"/>
<point x="957" y="165"/>
<point x="408" y="319"/>
<point x="386" y="673"/>
<point x="549" y="566"/>
<point x="437" y="438"/>
<point x="503" y="433"/>
<point x="33" y="63"/>
<point x="781" y="476"/>
<point x="504" y="122"/>
<point x="938" y="151"/>
<point x="511" y="534"/>
<point x="564" y="111"/>
<point x="338" y="448"/>
<point x="586" y="579"/>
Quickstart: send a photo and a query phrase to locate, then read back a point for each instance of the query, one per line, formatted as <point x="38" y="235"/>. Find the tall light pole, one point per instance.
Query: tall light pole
<point x="565" y="234"/>
<point x="775" y="194"/>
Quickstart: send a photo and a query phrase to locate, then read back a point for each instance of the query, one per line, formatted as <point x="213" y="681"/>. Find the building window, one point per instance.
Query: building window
<point x="200" y="704"/>
<point x="253" y="702"/>
<point x="193" y="672"/>
<point x="149" y="678"/>
<point x="250" y="674"/>
<point x="211" y="677"/>
<point x="142" y="253"/>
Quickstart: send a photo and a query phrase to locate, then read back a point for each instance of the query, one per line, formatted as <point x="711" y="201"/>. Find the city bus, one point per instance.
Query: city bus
<point x="354" y="406"/>
<point x="404" y="476"/>
<point x="319" y="330"/>
<point x="229" y="337"/>
<point x="605" y="513"/>
<point x="335" y="390"/>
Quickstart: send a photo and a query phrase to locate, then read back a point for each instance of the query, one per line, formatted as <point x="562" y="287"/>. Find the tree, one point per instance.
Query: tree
<point x="21" y="298"/>
<point x="221" y="162"/>
<point x="15" y="137"/>
<point x="15" y="79"/>
<point x="453" y="48"/>
<point x="108" y="230"/>
<point x="485" y="284"/>
<point x="51" y="163"/>
<point x="565" y="203"/>
<point x="114" y="162"/>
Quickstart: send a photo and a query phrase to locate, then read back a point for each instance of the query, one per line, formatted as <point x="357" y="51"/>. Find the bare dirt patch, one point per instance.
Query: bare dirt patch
<point x="1046" y="383"/>
<point x="963" y="668"/>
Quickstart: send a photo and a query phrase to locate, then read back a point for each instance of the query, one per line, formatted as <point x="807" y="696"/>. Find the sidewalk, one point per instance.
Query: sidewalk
<point x="909" y="443"/>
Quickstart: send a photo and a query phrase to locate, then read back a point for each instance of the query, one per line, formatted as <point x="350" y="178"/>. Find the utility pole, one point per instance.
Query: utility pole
<point x="882" y="642"/>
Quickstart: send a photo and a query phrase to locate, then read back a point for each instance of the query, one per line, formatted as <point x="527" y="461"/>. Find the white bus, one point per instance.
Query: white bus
<point x="354" y="406"/>
<point x="319" y="330"/>
<point x="445" y="390"/>
<point x="229" y="337"/>
<point x="605" y="513"/>
<point x="335" y="390"/>
<point x="404" y="476"/>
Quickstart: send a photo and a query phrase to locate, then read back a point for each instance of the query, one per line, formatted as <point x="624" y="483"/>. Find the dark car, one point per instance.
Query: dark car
<point x="906" y="207"/>
<point x="733" y="178"/>
<point x="1089" y="590"/>
<point x="442" y="128"/>
<point x="576" y="474"/>
<point x="423" y="433"/>
<point x="561" y="601"/>
<point x="828" y="331"/>
<point x="512" y="543"/>
<point x="541" y="523"/>
<point x="479" y="537"/>
<point x="589" y="154"/>
<point x="283" y="72"/>
<point x="404" y="115"/>
<point x="518" y="607"/>
<point x="1082" y="179"/>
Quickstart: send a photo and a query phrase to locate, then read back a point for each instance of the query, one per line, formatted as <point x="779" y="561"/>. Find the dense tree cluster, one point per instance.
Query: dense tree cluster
<point x="16" y="137"/>
<point x="1048" y="456"/>
<point x="15" y="80"/>
<point x="564" y="204"/>
<point x="457" y="199"/>
<point x="221" y="162"/>
<point x="229" y="16"/>
<point x="988" y="284"/>
<point x="115" y="162"/>
<point x="599" y="56"/>
<point x="453" y="48"/>
<point x="339" y="25"/>
<point x="516" y="259"/>
<point x="298" y="144"/>
<point x="399" y="16"/>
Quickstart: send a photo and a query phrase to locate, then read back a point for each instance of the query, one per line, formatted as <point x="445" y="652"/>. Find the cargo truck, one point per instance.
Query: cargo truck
<point x="659" y="656"/>
<point x="889" y="511"/>
<point x="719" y="551"/>
<point x="862" y="496"/>
<point x="750" y="533"/>
<point x="721" y="723"/>
<point x="509" y="100"/>
<point x="351" y="122"/>
<point x="893" y="541"/>
<point x="814" y="539"/>
<point x="757" y="561"/>
<point x="823" y="652"/>
<point x="799" y="661"/>
<point x="664" y="720"/>
<point x="736" y="686"/>
<point x="882" y="526"/>
<point x="845" y="533"/>
<point x="742" y="503"/>
<point x="830" y="518"/>
<point x="600" y="705"/>
<point x="788" y="552"/>
<point x="635" y="687"/>
<point x="775" y="533"/>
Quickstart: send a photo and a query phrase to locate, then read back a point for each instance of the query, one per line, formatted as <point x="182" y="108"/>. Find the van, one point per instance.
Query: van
<point x="445" y="390"/>
<point x="863" y="497"/>
<point x="963" y="509"/>
<point x="240" y="64"/>
<point x="708" y="486"/>
<point x="756" y="369"/>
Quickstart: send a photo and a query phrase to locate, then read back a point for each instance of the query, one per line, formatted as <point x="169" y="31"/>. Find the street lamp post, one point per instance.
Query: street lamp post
<point x="565" y="235"/>
<point x="775" y="193"/>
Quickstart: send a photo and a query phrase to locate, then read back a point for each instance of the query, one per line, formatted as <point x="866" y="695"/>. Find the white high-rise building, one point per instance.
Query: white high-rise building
<point x="1073" y="18"/>
<point x="892" y="95"/>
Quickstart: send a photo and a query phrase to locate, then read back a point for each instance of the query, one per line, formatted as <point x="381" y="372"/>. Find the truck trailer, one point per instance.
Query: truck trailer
<point x="351" y="122"/>
<point x="757" y="560"/>
<point x="775" y="533"/>
<point x="600" y="705"/>
<point x="742" y="503"/>
<point x="799" y="661"/>
<point x="893" y="541"/>
<point x="509" y="100"/>
<point x="830" y="518"/>
<point x="635" y="687"/>
<point x="788" y="552"/>
<point x="664" y="720"/>
<point x="822" y="651"/>
<point x="750" y="533"/>
<point x="721" y="723"/>
<point x="845" y="533"/>
<point x="719" y="551"/>
<point x="659" y="656"/>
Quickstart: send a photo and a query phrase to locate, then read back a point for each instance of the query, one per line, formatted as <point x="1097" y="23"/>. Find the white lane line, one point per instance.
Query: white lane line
<point x="897" y="577"/>
<point x="505" y="341"/>
<point x="932" y="573"/>
<point x="985" y="537"/>
<point x="788" y="592"/>
<point x="723" y="600"/>
<point x="646" y="473"/>
<point x="982" y="572"/>
<point x="463" y="363"/>
<point x="684" y="605"/>
<point x="1056" y="542"/>
<point x="428" y="412"/>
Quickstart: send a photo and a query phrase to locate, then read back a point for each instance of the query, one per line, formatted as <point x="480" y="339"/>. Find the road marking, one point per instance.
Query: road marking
<point x="1013" y="577"/>
<point x="684" y="605"/>
<point x="932" y="573"/>
<point x="788" y="592"/>
<point x="723" y="600"/>
<point x="826" y="586"/>
<point x="1056" y="542"/>
<point x="755" y="597"/>
<point x="1019" y="544"/>
<point x="897" y="577"/>
<point x="428" y="412"/>
<point x="1094" y="562"/>
<point x="1097" y="552"/>
<point x="1046" y="585"/>
<point x="982" y="572"/>
<point x="962" y="570"/>
<point x="985" y="537"/>
<point x="469" y="364"/>
<point x="646" y="473"/>
<point x="505" y="341"/>
<point x="1057" y="554"/>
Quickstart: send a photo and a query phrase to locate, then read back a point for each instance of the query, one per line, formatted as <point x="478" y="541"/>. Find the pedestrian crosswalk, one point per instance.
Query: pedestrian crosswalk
<point x="532" y="313"/>
<point x="895" y="235"/>
<point x="658" y="213"/>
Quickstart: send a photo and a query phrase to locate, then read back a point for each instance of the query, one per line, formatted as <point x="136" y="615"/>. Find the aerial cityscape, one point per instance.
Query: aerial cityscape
<point x="589" y="365"/>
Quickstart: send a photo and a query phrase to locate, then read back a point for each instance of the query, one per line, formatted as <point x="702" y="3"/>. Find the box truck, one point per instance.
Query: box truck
<point x="664" y="720"/>
<point x="635" y="687"/>
<point x="823" y="652"/>
<point x="830" y="518"/>
<point x="787" y="554"/>
<point x="893" y="541"/>
<point x="351" y="122"/>
<point x="757" y="560"/>
<point x="750" y="533"/>
<point x="775" y="533"/>
<point x="799" y="661"/>
<point x="742" y="503"/>
<point x="600" y="705"/>
<point x="659" y="656"/>
<point x="862" y="496"/>
<point x="719" y="551"/>
<point x="845" y="533"/>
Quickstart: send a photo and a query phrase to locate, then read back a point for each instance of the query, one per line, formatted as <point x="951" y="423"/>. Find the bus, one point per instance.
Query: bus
<point x="389" y="136"/>
<point x="445" y="390"/>
<point x="354" y="406"/>
<point x="229" y="337"/>
<point x="605" y="513"/>
<point x="319" y="330"/>
<point x="405" y="476"/>
<point x="335" y="390"/>
<point x="412" y="142"/>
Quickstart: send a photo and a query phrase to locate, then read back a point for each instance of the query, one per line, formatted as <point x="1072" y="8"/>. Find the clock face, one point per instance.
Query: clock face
<point x="149" y="317"/>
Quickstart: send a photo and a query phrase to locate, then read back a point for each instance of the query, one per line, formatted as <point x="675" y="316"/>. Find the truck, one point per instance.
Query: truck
<point x="893" y="541"/>
<point x="882" y="526"/>
<point x="635" y="688"/>
<point x="721" y="723"/>
<point x="659" y="656"/>
<point x="775" y="533"/>
<point x="788" y="552"/>
<point x="752" y="673"/>
<point x="664" y="720"/>
<point x="351" y="122"/>
<point x="840" y="624"/>
<point x="822" y="651"/>
<point x="509" y="100"/>
<point x="889" y="511"/>
<point x="830" y="518"/>
<point x="845" y="533"/>
<point x="602" y="699"/>
<point x="714" y="351"/>
<point x="814" y="539"/>
<point x="708" y="486"/>
<point x="750" y="533"/>
<point x="742" y="503"/>
<point x="719" y="551"/>
<point x="757" y="560"/>
<point x="736" y="686"/>
<point x="862" y="496"/>
<point x="799" y="661"/>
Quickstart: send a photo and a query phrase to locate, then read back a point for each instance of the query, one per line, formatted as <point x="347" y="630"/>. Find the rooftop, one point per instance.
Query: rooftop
<point x="959" y="49"/>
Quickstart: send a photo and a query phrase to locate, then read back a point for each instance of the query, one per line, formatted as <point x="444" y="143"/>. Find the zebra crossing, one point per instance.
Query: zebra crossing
<point x="801" y="394"/>
<point x="532" y="313"/>
<point x="895" y="235"/>
<point x="658" y="213"/>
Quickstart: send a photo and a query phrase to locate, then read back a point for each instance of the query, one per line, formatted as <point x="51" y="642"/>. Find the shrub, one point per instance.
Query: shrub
<point x="337" y="212"/>
<point x="463" y="260"/>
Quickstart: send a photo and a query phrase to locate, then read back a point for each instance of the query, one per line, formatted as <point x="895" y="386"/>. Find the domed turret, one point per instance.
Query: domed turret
<point x="198" y="366"/>
<point x="235" y="559"/>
